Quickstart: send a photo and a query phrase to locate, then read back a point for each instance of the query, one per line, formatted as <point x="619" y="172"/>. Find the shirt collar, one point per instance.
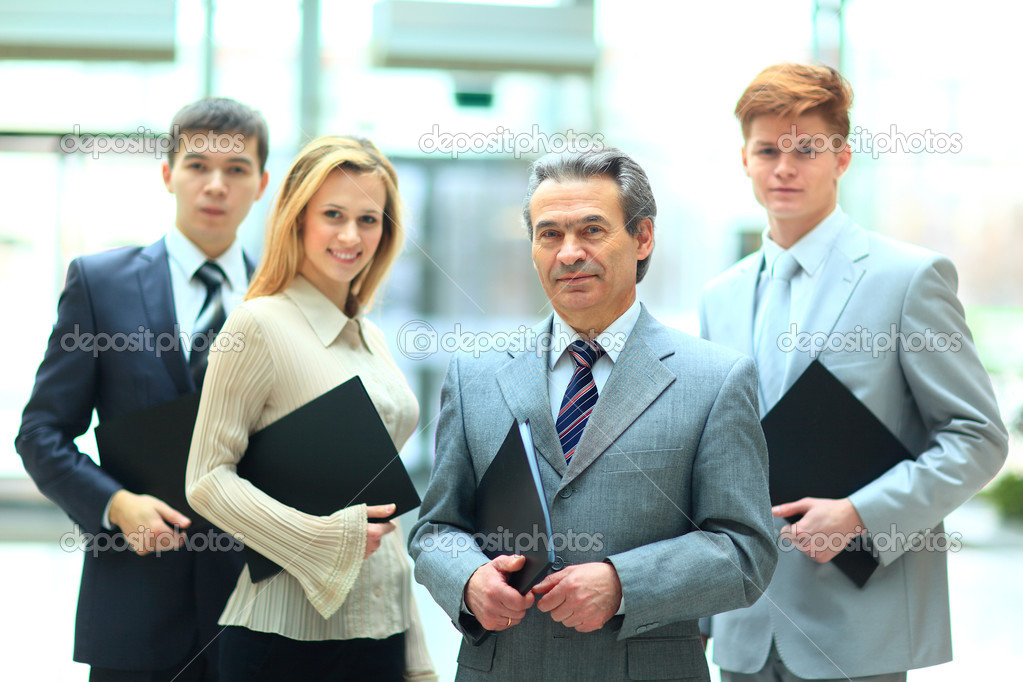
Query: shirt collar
<point x="812" y="249"/>
<point x="612" y="339"/>
<point x="326" y="319"/>
<point x="190" y="258"/>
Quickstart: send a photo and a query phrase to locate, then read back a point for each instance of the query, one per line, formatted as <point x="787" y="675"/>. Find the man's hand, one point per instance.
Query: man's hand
<point x="826" y="528"/>
<point x="583" y="596"/>
<point x="148" y="523"/>
<point x="375" y="532"/>
<point x="496" y="605"/>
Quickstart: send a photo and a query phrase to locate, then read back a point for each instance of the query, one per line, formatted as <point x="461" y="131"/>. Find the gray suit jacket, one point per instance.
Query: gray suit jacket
<point x="934" y="395"/>
<point x="668" y="482"/>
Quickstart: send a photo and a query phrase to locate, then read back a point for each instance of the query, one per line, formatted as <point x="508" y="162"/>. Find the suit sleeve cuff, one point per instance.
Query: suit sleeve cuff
<point x="105" y="521"/>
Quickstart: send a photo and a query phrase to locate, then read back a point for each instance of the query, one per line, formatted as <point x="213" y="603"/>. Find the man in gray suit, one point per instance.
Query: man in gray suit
<point x="653" y="463"/>
<point x="884" y="318"/>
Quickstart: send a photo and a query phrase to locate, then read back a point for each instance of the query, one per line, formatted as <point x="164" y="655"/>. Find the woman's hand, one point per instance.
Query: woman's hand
<point x="376" y="531"/>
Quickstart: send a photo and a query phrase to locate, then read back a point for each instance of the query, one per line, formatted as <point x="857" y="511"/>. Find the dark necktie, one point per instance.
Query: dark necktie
<point x="580" y="397"/>
<point x="211" y="318"/>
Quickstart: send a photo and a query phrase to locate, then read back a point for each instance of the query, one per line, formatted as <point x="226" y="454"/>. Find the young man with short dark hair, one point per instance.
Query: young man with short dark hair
<point x="148" y="606"/>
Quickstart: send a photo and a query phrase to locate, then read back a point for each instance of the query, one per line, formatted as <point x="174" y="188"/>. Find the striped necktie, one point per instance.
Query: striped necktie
<point x="580" y="397"/>
<point x="211" y="318"/>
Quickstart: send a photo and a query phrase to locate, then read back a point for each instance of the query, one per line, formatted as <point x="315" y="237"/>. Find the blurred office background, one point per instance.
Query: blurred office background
<point x="936" y="107"/>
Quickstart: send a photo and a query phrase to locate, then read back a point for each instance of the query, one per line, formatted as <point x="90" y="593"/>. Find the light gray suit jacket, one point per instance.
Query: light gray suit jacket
<point x="669" y="482"/>
<point x="935" y="396"/>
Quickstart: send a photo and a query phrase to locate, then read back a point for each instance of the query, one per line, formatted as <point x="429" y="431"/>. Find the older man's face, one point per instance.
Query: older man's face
<point x="585" y="258"/>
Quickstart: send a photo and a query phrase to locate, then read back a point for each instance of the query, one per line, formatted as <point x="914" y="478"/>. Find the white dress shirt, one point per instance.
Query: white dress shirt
<point x="561" y="367"/>
<point x="810" y="252"/>
<point x="184" y="259"/>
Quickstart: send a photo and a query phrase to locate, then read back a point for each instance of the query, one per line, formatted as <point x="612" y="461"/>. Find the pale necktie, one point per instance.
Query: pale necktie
<point x="209" y="321"/>
<point x="774" y="322"/>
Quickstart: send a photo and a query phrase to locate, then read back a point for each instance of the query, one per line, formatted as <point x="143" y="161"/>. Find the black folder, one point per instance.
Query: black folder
<point x="823" y="442"/>
<point x="146" y="451"/>
<point x="511" y="509"/>
<point x="330" y="453"/>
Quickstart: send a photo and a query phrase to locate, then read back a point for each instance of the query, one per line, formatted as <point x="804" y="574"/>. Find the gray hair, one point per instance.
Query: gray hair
<point x="634" y="193"/>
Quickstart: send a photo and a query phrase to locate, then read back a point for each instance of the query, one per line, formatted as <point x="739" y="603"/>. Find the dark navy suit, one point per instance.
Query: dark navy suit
<point x="134" y="612"/>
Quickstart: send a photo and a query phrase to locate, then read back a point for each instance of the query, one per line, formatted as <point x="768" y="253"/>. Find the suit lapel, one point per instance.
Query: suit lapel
<point x="840" y="274"/>
<point x="158" y="300"/>
<point x="250" y="267"/>
<point x="737" y="328"/>
<point x="523" y="382"/>
<point x="637" y="379"/>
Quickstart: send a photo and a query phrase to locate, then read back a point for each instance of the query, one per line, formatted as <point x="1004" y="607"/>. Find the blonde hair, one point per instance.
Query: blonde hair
<point x="796" y="89"/>
<point x="283" y="254"/>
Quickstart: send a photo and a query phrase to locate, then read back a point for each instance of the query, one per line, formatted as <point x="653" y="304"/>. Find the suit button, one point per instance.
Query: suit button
<point x="567" y="492"/>
<point x="558" y="564"/>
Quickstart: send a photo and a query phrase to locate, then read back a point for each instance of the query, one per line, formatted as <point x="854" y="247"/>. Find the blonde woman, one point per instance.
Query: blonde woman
<point x="342" y="609"/>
